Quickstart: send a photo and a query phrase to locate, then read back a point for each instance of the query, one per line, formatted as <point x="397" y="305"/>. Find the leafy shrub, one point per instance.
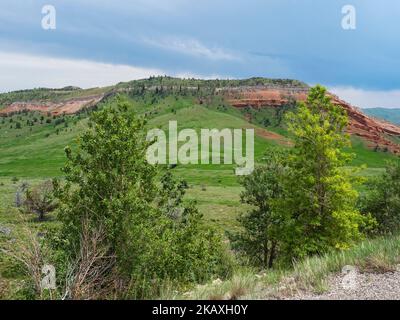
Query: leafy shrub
<point x="259" y="241"/>
<point x="154" y="236"/>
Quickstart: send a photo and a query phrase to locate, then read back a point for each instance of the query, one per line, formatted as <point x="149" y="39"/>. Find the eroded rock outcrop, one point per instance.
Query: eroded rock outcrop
<point x="69" y="106"/>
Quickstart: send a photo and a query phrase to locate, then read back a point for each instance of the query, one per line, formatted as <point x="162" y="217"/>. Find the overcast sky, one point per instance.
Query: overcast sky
<point x="98" y="42"/>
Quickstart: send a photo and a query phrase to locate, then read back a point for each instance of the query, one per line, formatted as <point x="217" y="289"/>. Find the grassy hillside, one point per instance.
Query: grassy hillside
<point x="31" y="144"/>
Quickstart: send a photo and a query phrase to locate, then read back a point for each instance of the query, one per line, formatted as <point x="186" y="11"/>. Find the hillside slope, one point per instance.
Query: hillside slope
<point x="254" y="93"/>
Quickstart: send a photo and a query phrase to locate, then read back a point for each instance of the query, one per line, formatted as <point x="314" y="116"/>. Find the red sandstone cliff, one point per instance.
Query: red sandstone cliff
<point x="375" y="132"/>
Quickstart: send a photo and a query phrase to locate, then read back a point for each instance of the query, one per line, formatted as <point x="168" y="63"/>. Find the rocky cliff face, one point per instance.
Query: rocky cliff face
<point x="376" y="132"/>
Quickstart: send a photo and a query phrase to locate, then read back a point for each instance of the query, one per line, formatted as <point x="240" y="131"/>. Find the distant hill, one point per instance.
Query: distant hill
<point x="391" y="115"/>
<point x="259" y="101"/>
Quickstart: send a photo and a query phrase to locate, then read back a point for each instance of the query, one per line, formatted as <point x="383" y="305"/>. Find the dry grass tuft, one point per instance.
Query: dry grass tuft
<point x="92" y="275"/>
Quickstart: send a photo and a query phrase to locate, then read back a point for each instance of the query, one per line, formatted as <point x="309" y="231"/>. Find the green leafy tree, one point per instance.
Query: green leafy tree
<point x="259" y="239"/>
<point x="110" y="186"/>
<point x="319" y="198"/>
<point x="382" y="199"/>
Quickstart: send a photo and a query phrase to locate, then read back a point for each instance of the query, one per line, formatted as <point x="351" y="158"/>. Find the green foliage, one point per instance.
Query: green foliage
<point x="319" y="199"/>
<point x="382" y="198"/>
<point x="110" y="186"/>
<point x="259" y="239"/>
